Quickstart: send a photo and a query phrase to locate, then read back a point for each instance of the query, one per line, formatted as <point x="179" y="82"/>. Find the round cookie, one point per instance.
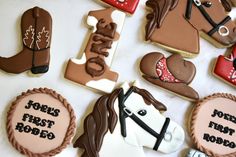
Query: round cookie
<point x="213" y="125"/>
<point x="40" y="123"/>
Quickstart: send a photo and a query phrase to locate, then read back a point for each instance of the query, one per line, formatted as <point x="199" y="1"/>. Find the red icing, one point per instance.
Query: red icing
<point x="163" y="72"/>
<point x="125" y="5"/>
<point x="224" y="67"/>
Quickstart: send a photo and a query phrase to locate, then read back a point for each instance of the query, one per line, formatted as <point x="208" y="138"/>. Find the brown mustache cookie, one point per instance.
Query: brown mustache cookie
<point x="172" y="73"/>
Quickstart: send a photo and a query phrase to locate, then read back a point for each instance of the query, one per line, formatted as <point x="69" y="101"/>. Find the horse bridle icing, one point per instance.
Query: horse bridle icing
<point x="124" y="113"/>
<point x="220" y="27"/>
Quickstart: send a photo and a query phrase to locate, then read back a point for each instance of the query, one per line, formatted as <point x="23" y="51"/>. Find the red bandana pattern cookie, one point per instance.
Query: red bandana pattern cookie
<point x="225" y="68"/>
<point x="125" y="5"/>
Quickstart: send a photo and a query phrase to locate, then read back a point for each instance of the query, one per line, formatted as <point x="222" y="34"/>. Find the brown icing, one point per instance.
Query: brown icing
<point x="214" y="118"/>
<point x="36" y="26"/>
<point x="181" y="69"/>
<point x="159" y="11"/>
<point x="104" y="117"/>
<point x="183" y="36"/>
<point x="178" y="67"/>
<point x="227" y="5"/>
<point x="40" y="123"/>
<point x="99" y="42"/>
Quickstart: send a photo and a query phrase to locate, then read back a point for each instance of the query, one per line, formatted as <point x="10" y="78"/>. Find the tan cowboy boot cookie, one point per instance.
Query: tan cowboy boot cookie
<point x="36" y="27"/>
<point x="172" y="73"/>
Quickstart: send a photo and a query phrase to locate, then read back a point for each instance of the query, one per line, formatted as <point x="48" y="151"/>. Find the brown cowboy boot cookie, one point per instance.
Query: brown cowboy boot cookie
<point x="172" y="73"/>
<point x="36" y="27"/>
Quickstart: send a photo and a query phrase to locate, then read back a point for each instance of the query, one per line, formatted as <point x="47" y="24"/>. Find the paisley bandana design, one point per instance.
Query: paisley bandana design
<point x="163" y="72"/>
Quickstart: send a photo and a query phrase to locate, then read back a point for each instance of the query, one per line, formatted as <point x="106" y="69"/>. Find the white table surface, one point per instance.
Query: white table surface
<point x="69" y="31"/>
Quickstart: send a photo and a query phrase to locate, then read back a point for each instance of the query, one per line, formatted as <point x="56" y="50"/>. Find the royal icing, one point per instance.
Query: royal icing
<point x="133" y="119"/>
<point x="176" y="24"/>
<point x="225" y="67"/>
<point x="40" y="122"/>
<point x="124" y="5"/>
<point x="172" y="73"/>
<point x="93" y="69"/>
<point x="213" y="125"/>
<point x="36" y="26"/>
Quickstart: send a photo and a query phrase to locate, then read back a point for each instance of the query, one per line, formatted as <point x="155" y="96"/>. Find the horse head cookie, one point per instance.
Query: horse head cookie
<point x="172" y="73"/>
<point x="132" y="116"/>
<point x="225" y="68"/>
<point x="176" y="24"/>
<point x="93" y="69"/>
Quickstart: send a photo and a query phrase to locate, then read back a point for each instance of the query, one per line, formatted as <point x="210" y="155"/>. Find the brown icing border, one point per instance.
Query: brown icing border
<point x="69" y="133"/>
<point x="193" y="119"/>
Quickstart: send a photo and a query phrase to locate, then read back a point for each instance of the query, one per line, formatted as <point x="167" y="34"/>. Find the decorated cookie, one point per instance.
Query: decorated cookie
<point x="213" y="125"/>
<point x="176" y="25"/>
<point x="225" y="68"/>
<point x="93" y="69"/>
<point x="195" y="153"/>
<point x="128" y="6"/>
<point x="172" y="73"/>
<point x="125" y="121"/>
<point x="36" y="28"/>
<point x="40" y="123"/>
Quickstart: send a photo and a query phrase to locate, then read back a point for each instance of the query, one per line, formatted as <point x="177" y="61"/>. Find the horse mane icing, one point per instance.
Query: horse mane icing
<point x="160" y="9"/>
<point x="104" y="117"/>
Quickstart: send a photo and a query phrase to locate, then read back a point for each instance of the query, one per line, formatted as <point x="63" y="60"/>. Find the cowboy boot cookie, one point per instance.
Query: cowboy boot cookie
<point x="36" y="26"/>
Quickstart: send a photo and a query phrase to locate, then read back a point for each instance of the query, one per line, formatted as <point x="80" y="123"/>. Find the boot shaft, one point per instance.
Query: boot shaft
<point x="36" y="26"/>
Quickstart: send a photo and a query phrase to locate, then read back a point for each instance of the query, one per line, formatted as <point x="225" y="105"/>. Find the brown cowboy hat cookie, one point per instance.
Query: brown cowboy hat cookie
<point x="172" y="73"/>
<point x="40" y="123"/>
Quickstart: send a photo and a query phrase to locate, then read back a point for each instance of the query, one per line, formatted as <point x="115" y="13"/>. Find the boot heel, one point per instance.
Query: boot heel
<point x="40" y="69"/>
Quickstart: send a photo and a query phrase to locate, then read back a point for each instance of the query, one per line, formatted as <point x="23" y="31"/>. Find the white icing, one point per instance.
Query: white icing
<point x="39" y="36"/>
<point x="92" y="21"/>
<point x="82" y="60"/>
<point x="116" y="146"/>
<point x="195" y="153"/>
<point x="104" y="85"/>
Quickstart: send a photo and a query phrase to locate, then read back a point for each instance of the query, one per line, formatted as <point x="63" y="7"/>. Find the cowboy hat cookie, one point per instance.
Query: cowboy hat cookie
<point x="225" y="68"/>
<point x="125" y="121"/>
<point x="40" y="122"/>
<point x="93" y="69"/>
<point x="172" y="73"/>
<point x="36" y="28"/>
<point x="177" y="25"/>
<point x="213" y="125"/>
<point x="128" y="6"/>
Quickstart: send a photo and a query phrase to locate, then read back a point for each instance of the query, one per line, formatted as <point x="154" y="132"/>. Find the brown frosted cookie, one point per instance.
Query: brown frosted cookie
<point x="36" y="28"/>
<point x="172" y="73"/>
<point x="40" y="123"/>
<point x="93" y="69"/>
<point x="213" y="125"/>
<point x="177" y="25"/>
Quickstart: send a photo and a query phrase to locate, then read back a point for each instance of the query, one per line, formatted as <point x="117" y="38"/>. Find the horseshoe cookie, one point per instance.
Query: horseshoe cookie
<point x="172" y="73"/>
